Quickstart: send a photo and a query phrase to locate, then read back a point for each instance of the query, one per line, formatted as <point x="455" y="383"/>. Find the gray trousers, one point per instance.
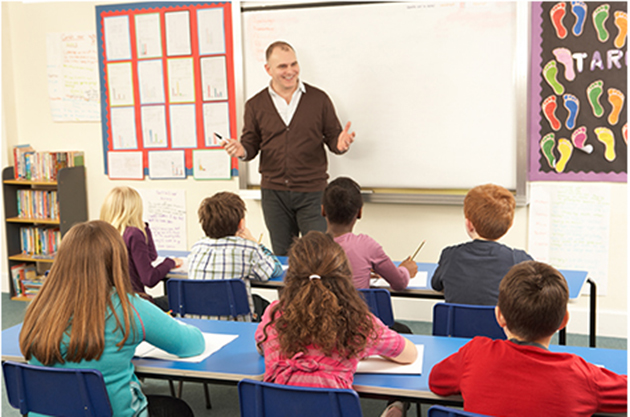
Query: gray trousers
<point x="289" y="214"/>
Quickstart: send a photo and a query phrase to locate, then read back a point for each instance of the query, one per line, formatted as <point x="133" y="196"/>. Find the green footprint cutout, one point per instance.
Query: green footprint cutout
<point x="550" y="71"/>
<point x="594" y="92"/>
<point x="547" y="143"/>
<point x="600" y="15"/>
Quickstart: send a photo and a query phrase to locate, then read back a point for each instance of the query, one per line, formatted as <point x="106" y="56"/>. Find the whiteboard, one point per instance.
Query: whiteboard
<point x="430" y="88"/>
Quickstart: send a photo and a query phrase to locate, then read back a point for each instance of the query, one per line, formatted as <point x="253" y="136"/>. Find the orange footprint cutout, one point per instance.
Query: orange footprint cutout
<point x="621" y="21"/>
<point x="557" y="14"/>
<point x="566" y="150"/>
<point x="549" y="110"/>
<point x="616" y="99"/>
<point x="606" y="136"/>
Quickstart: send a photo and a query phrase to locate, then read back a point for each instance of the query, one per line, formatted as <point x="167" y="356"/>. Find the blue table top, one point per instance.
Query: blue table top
<point x="239" y="360"/>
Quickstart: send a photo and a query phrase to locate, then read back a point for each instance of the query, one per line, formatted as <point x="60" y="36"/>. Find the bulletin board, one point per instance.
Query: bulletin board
<point x="579" y="90"/>
<point x="167" y="85"/>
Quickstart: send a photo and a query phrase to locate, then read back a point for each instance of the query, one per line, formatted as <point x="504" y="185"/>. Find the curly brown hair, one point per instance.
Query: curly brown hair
<point x="327" y="312"/>
<point x="220" y="214"/>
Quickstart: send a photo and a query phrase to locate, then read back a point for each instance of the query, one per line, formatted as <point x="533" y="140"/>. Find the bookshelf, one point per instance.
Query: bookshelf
<point x="72" y="198"/>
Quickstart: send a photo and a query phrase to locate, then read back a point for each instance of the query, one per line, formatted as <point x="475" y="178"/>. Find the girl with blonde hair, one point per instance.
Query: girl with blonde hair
<point x="320" y="328"/>
<point x="122" y="208"/>
<point x="87" y="316"/>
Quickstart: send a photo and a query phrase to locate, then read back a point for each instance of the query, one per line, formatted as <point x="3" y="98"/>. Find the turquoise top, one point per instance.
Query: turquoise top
<point x="152" y="325"/>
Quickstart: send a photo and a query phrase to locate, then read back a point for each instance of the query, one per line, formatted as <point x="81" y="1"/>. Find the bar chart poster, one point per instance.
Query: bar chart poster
<point x="167" y="83"/>
<point x="578" y="101"/>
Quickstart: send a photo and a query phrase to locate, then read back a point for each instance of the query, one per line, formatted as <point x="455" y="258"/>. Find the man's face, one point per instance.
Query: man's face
<point x="283" y="69"/>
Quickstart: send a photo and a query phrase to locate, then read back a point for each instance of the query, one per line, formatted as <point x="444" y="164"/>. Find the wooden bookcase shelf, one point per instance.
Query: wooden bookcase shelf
<point x="72" y="197"/>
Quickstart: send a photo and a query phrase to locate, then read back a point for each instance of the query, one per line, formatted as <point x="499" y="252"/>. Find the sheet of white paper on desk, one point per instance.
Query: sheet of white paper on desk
<point x="420" y="280"/>
<point x="379" y="365"/>
<point x="182" y="269"/>
<point x="214" y="342"/>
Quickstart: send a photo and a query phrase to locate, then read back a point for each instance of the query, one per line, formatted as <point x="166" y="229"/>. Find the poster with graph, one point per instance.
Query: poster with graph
<point x="167" y="84"/>
<point x="579" y="122"/>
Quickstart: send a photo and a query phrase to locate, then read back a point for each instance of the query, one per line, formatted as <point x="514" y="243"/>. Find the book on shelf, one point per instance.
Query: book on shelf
<point x="39" y="242"/>
<point x="37" y="204"/>
<point x="43" y="166"/>
<point x="16" y="277"/>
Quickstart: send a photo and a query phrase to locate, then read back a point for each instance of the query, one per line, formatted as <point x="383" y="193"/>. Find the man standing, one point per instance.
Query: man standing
<point x="289" y="122"/>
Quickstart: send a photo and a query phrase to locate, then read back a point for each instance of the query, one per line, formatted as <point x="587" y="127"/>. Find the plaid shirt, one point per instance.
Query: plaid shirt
<point x="232" y="257"/>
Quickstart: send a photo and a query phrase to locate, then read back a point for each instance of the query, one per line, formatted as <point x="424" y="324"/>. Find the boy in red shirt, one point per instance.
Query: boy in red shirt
<point x="520" y="376"/>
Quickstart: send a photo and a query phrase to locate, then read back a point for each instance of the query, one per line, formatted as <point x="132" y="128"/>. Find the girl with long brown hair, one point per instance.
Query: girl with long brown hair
<point x="320" y="328"/>
<point x="88" y="316"/>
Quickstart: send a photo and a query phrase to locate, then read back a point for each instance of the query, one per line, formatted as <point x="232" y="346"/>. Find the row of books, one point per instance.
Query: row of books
<point x="39" y="241"/>
<point x="26" y="282"/>
<point x="42" y="166"/>
<point x="37" y="204"/>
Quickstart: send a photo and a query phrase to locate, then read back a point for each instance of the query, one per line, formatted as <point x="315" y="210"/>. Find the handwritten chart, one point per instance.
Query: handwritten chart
<point x="165" y="211"/>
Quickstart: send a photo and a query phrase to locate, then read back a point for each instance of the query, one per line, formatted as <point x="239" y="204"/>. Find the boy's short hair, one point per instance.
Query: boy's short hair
<point x="220" y="214"/>
<point x="533" y="300"/>
<point x="342" y="201"/>
<point x="490" y="209"/>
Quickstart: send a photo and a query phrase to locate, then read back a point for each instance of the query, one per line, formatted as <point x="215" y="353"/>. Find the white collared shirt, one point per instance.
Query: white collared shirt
<point x="287" y="110"/>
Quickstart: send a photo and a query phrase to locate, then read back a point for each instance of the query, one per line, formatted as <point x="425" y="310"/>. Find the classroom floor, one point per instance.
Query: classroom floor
<point x="225" y="397"/>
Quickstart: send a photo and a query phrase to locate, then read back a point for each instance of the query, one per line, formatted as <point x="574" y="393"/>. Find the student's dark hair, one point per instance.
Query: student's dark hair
<point x="342" y="201"/>
<point x="533" y="299"/>
<point x="328" y="311"/>
<point x="277" y="44"/>
<point x="220" y="214"/>
<point x="490" y="209"/>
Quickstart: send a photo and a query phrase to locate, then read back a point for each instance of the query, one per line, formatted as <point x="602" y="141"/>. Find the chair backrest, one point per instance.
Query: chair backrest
<point x="380" y="303"/>
<point x="462" y="320"/>
<point x="56" y="391"/>
<point x="441" y="411"/>
<point x="264" y="399"/>
<point x="221" y="297"/>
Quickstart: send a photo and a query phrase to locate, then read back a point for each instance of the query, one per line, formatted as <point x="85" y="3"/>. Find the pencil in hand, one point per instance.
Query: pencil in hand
<point x="418" y="250"/>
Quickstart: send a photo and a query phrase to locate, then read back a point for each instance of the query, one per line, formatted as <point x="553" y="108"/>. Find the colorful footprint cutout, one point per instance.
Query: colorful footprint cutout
<point x="557" y="15"/>
<point x="566" y="150"/>
<point x="578" y="137"/>
<point x="594" y="92"/>
<point x="579" y="9"/>
<point x="606" y="136"/>
<point x="563" y="55"/>
<point x="600" y="15"/>
<point x="547" y="143"/>
<point x="550" y="72"/>
<point x="621" y="22"/>
<point x="549" y="107"/>
<point x="616" y="99"/>
<point x="572" y="104"/>
<point x="624" y="133"/>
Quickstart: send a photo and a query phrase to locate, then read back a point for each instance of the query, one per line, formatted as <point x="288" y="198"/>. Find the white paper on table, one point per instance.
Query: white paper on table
<point x="214" y="342"/>
<point x="420" y="280"/>
<point x="180" y="270"/>
<point x="379" y="365"/>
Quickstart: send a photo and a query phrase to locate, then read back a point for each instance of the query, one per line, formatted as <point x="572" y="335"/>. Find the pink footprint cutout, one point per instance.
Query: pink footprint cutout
<point x="578" y="138"/>
<point x="624" y="133"/>
<point x="549" y="110"/>
<point x="563" y="55"/>
<point x="557" y="14"/>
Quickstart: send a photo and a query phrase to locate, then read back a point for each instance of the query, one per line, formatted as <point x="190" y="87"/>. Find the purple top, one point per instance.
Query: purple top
<point x="365" y="254"/>
<point x="141" y="253"/>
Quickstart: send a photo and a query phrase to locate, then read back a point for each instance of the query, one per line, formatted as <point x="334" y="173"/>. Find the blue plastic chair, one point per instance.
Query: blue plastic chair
<point x="56" y="391"/>
<point x="462" y="320"/>
<point x="265" y="399"/>
<point x="441" y="411"/>
<point x="220" y="297"/>
<point x="380" y="303"/>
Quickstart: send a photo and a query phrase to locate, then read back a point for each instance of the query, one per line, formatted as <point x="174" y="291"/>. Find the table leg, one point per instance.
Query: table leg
<point x="593" y="313"/>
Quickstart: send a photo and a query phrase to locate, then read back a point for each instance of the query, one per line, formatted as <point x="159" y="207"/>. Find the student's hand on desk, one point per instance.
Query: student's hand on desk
<point x="234" y="148"/>
<point x="345" y="139"/>
<point x="178" y="262"/>
<point x="411" y="266"/>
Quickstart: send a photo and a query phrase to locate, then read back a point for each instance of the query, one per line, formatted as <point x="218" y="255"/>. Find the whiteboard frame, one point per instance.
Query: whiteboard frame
<point x="445" y="196"/>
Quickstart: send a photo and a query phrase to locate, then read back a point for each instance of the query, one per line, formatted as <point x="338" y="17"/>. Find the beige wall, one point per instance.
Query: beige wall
<point x="399" y="228"/>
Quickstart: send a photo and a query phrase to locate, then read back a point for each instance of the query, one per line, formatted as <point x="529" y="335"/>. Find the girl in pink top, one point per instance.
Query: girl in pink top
<point x="342" y="206"/>
<point x="320" y="329"/>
